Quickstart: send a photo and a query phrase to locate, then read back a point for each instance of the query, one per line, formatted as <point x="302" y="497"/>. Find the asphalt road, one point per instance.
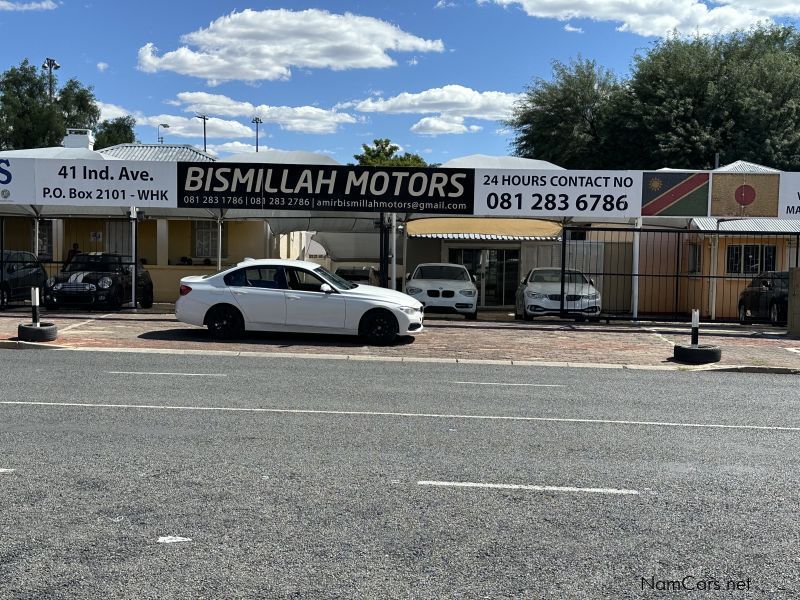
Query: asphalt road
<point x="302" y="478"/>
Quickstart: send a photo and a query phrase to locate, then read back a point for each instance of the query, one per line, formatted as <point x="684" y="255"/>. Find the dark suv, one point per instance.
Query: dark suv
<point x="21" y="271"/>
<point x="98" y="278"/>
<point x="765" y="298"/>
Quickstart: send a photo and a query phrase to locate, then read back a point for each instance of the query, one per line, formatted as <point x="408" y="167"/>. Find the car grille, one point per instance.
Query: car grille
<point x="74" y="287"/>
<point x="448" y="294"/>
<point x="570" y="297"/>
<point x="433" y="293"/>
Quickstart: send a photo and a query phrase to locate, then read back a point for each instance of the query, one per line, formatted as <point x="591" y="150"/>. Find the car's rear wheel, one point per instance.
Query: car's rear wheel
<point x="379" y="327"/>
<point x="742" y="315"/>
<point x="4" y="297"/>
<point x="775" y="315"/>
<point x="225" y="322"/>
<point x="147" y="299"/>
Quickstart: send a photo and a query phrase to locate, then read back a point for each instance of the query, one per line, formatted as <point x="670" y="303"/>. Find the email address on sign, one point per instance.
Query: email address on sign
<point x="391" y="205"/>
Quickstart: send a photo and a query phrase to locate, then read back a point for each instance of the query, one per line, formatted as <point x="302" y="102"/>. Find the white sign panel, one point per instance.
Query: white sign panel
<point x="106" y="183"/>
<point x="16" y="180"/>
<point x="527" y="193"/>
<point x="789" y="199"/>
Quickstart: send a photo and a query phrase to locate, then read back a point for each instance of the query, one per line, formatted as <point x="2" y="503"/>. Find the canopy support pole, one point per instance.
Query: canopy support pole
<point x="394" y="251"/>
<point x="635" y="270"/>
<point x="134" y="256"/>
<point x="219" y="241"/>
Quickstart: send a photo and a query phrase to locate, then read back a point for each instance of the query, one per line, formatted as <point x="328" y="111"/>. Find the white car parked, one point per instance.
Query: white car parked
<point x="444" y="288"/>
<point x="297" y="296"/>
<point x="539" y="293"/>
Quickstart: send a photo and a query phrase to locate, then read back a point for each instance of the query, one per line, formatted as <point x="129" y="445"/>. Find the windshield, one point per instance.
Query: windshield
<point x="334" y="280"/>
<point x="554" y="276"/>
<point x="93" y="262"/>
<point x="441" y="272"/>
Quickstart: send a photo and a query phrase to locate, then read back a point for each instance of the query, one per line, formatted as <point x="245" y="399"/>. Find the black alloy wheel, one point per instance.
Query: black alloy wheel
<point x="742" y="315"/>
<point x="379" y="327"/>
<point x="225" y="323"/>
<point x="775" y="314"/>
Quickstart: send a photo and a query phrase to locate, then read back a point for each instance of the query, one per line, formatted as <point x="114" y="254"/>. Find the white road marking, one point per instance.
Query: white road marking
<point x="507" y="384"/>
<point x="365" y="413"/>
<point x="6" y="471"/>
<point x="794" y="350"/>
<point x="76" y="325"/>
<point x="158" y="373"/>
<point x="172" y="539"/>
<point x="658" y="335"/>
<point x="533" y="488"/>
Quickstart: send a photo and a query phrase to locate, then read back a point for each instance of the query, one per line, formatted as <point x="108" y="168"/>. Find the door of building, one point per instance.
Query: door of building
<point x="496" y="270"/>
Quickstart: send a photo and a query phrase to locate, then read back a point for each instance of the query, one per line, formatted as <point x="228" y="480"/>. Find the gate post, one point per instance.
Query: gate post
<point x="134" y="254"/>
<point x="635" y="270"/>
<point x="564" y="235"/>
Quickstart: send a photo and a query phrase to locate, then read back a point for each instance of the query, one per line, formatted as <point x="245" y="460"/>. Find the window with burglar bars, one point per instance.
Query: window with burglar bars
<point x="205" y="236"/>
<point x="695" y="254"/>
<point x="45" y="239"/>
<point x="745" y="259"/>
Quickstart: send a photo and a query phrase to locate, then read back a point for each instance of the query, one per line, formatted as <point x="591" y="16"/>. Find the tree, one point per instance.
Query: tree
<point x="686" y="101"/>
<point x="28" y="117"/>
<point x="566" y="120"/>
<point x="382" y="153"/>
<point x="115" y="131"/>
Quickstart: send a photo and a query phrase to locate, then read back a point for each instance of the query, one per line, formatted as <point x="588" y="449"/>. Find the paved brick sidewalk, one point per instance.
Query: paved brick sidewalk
<point x="548" y="341"/>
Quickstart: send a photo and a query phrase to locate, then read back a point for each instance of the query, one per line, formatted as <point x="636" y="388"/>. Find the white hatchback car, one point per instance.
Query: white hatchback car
<point x="296" y="296"/>
<point x="539" y="293"/>
<point x="444" y="288"/>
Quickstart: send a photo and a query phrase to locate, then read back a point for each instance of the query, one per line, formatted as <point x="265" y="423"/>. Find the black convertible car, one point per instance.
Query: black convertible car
<point x="98" y="279"/>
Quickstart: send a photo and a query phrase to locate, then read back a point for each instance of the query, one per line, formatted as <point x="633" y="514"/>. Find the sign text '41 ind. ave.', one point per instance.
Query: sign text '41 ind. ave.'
<point x="325" y="188"/>
<point x="105" y="183"/>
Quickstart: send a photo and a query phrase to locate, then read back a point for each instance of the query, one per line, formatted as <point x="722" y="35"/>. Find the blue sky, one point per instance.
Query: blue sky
<point x="437" y="77"/>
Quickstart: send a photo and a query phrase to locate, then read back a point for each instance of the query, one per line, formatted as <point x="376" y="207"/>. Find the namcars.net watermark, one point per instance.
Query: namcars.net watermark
<point x="691" y="583"/>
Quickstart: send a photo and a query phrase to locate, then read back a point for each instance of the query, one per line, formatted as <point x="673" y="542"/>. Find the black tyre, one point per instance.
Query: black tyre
<point x="146" y="300"/>
<point x="378" y="327"/>
<point x="45" y="332"/>
<point x="225" y="322"/>
<point x="116" y="300"/>
<point x="697" y="355"/>
<point x="4" y="297"/>
<point x="776" y="314"/>
<point x="526" y="316"/>
<point x="742" y="315"/>
<point x="472" y="316"/>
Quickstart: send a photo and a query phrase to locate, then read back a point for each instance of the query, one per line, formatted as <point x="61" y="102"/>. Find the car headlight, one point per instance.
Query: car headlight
<point x="593" y="297"/>
<point x="91" y="287"/>
<point x="409" y="310"/>
<point x="57" y="286"/>
<point x="535" y="295"/>
<point x="469" y="293"/>
<point x="413" y="290"/>
<point x="104" y="283"/>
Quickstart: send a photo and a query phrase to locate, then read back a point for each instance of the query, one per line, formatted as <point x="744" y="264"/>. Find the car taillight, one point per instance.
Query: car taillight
<point x="185" y="289"/>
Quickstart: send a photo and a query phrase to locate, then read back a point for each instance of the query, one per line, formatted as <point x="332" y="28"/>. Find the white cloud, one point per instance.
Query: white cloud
<point x="303" y="119"/>
<point x="654" y="18"/>
<point x="102" y="67"/>
<point x="109" y="112"/>
<point x="234" y="148"/>
<point x="46" y="5"/>
<point x="265" y="45"/>
<point x="445" y="4"/>
<point x="445" y="124"/>
<point x="455" y="100"/>
<point x="570" y="29"/>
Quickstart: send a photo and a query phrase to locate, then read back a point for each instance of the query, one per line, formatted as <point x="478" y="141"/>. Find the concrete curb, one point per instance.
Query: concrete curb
<point x="12" y="344"/>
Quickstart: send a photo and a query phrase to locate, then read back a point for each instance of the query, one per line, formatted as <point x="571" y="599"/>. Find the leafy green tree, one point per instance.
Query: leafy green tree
<point x="686" y="101"/>
<point x="383" y="153"/>
<point x="566" y="120"/>
<point x="28" y="117"/>
<point x="115" y="131"/>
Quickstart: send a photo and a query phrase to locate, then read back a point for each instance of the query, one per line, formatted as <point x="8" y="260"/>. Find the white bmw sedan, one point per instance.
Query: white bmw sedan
<point x="539" y="293"/>
<point x="295" y="296"/>
<point x="444" y="288"/>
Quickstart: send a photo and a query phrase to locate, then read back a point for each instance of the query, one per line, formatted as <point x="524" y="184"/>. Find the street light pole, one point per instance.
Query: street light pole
<point x="50" y="64"/>
<point x="158" y="131"/>
<point x="203" y="118"/>
<point x="258" y="122"/>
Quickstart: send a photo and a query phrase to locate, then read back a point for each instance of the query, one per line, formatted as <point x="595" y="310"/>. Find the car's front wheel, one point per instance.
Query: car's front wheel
<point x="4" y="297"/>
<point x="379" y="327"/>
<point x="742" y="315"/>
<point x="775" y="314"/>
<point x="225" y="322"/>
<point x="146" y="300"/>
<point x="473" y="316"/>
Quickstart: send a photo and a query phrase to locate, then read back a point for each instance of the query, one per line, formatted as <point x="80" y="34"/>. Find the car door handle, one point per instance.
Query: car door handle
<point x="239" y="292"/>
<point x="292" y="297"/>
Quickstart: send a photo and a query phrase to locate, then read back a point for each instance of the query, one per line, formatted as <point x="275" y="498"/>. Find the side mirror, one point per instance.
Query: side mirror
<point x="326" y="288"/>
<point x="474" y="278"/>
<point x="522" y="281"/>
<point x="591" y="281"/>
<point x="408" y="276"/>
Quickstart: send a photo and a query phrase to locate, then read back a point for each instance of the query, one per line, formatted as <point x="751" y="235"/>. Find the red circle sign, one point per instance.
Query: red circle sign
<point x="745" y="195"/>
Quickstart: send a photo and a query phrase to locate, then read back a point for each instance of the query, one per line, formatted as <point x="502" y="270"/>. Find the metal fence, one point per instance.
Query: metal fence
<point x="662" y="274"/>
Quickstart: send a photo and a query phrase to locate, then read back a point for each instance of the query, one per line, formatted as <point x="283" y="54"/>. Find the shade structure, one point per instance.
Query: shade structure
<point x="525" y="228"/>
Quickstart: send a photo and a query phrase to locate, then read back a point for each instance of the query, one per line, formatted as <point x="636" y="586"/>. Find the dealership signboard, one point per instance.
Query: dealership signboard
<point x="434" y="191"/>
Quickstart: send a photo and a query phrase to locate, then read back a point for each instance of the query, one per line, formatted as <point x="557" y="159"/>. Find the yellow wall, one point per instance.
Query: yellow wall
<point x="166" y="280"/>
<point x="18" y="234"/>
<point x="180" y="240"/>
<point x="147" y="242"/>
<point x="246" y="238"/>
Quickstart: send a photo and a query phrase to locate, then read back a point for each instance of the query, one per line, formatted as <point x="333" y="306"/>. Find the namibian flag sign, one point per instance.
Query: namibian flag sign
<point x="672" y="194"/>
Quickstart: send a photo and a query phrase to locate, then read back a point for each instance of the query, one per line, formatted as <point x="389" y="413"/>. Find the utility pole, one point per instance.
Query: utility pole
<point x="50" y="64"/>
<point x="258" y="122"/>
<point x="203" y="118"/>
